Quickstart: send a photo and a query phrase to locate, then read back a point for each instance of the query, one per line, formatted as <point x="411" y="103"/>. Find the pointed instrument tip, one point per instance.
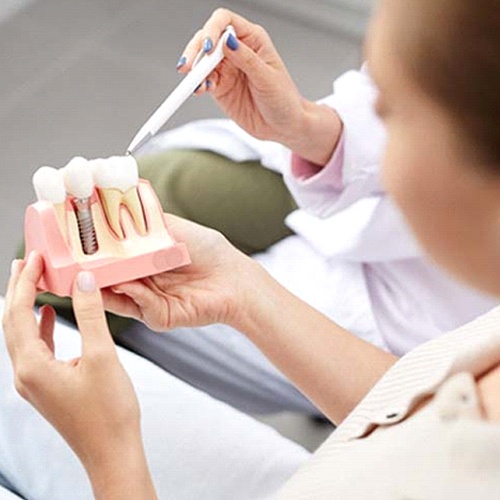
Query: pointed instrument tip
<point x="139" y="141"/>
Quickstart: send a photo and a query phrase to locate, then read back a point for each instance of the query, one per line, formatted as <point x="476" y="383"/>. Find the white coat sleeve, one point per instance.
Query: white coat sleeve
<point x="363" y="143"/>
<point x="378" y="231"/>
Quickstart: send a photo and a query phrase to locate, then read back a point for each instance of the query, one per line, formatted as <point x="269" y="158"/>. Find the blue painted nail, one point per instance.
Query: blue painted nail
<point x="232" y="42"/>
<point x="181" y="62"/>
<point x="208" y="44"/>
<point x="208" y="84"/>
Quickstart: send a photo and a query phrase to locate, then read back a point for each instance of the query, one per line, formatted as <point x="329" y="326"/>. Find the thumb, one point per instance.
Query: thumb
<point x="90" y="317"/>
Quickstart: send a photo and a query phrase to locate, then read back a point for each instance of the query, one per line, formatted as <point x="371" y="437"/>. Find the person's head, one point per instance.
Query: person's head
<point x="437" y="65"/>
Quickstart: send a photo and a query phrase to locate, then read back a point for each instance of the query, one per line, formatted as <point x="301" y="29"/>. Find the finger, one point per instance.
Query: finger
<point x="246" y="60"/>
<point x="202" y="88"/>
<point x="213" y="29"/>
<point x="23" y="295"/>
<point x="47" y="323"/>
<point x="213" y="80"/>
<point x="22" y="335"/>
<point x="208" y="37"/>
<point x="153" y="309"/>
<point x="91" y="319"/>
<point x="190" y="52"/>
<point x="7" y="319"/>
<point x="26" y="285"/>
<point x="120" y="304"/>
<point x="15" y="271"/>
<point x="221" y="19"/>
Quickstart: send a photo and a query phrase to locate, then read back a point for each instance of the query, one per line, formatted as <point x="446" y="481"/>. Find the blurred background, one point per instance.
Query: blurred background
<point x="78" y="77"/>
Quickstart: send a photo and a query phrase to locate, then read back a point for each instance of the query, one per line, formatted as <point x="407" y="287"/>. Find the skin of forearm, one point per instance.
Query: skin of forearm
<point x="330" y="365"/>
<point x="121" y="472"/>
<point x="316" y="135"/>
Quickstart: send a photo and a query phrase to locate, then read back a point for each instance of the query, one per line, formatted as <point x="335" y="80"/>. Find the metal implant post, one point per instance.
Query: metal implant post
<point x="86" y="226"/>
<point x="79" y="183"/>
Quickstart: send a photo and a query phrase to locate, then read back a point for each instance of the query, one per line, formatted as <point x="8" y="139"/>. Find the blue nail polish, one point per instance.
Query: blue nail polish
<point x="181" y="62"/>
<point x="208" y="84"/>
<point x="208" y="44"/>
<point x="232" y="42"/>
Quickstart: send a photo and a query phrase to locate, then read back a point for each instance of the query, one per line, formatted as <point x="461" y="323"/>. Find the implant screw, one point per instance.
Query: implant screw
<point x="86" y="226"/>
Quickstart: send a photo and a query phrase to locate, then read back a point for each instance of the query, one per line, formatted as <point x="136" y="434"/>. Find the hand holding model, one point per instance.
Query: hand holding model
<point x="222" y="285"/>
<point x="89" y="400"/>
<point x="253" y="87"/>
<point x="216" y="288"/>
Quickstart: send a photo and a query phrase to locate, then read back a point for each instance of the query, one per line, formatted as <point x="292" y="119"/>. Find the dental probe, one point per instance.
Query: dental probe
<point x="202" y="67"/>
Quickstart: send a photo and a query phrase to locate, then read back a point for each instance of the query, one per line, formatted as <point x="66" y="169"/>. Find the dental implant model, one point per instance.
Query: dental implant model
<point x="80" y="184"/>
<point x="98" y="216"/>
<point x="117" y="179"/>
<point x="49" y="186"/>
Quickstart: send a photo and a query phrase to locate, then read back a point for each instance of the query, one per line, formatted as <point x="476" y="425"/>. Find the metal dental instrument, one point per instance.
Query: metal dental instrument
<point x="202" y="67"/>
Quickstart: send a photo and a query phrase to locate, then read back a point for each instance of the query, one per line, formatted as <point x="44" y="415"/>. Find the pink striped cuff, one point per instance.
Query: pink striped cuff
<point x="331" y="174"/>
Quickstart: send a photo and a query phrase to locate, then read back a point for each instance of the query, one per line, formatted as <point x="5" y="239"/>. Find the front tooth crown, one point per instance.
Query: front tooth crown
<point x="117" y="172"/>
<point x="78" y="178"/>
<point x="49" y="185"/>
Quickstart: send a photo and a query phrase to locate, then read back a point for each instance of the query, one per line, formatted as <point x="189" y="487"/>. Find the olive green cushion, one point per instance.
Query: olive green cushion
<point x="245" y="201"/>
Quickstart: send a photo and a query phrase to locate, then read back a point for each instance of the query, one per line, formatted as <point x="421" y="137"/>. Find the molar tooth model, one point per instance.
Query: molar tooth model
<point x="117" y="179"/>
<point x="99" y="216"/>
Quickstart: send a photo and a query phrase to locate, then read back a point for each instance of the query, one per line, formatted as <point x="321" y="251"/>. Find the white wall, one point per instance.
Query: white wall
<point x="356" y="4"/>
<point x="10" y="7"/>
<point x="347" y="16"/>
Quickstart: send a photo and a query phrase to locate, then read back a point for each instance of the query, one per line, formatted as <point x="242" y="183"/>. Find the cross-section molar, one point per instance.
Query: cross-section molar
<point x="116" y="179"/>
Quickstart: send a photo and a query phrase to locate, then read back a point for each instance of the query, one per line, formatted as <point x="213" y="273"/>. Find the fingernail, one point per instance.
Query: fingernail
<point x="208" y="44"/>
<point x="86" y="282"/>
<point x="117" y="291"/>
<point x="232" y="42"/>
<point x="208" y="84"/>
<point x="14" y="266"/>
<point x="45" y="307"/>
<point x="181" y="62"/>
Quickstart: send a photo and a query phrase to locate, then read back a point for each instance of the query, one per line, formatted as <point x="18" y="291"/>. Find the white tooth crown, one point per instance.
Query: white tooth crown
<point x="117" y="179"/>
<point x="117" y="172"/>
<point x="78" y="178"/>
<point x="49" y="185"/>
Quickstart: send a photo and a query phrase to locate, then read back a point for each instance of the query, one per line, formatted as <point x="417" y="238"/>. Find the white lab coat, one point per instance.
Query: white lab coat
<point x="353" y="256"/>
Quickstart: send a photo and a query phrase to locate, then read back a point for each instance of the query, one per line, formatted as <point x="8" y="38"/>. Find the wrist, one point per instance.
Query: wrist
<point x="316" y="134"/>
<point x="120" y="470"/>
<point x="256" y="300"/>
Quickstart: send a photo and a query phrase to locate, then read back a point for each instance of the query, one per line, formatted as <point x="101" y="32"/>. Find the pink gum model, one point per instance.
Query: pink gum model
<point x="116" y="261"/>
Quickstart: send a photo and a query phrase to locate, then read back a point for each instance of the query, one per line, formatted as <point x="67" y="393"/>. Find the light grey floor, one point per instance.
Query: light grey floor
<point x="79" y="77"/>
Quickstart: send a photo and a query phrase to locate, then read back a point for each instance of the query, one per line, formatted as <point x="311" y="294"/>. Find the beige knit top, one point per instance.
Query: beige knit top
<point x="443" y="451"/>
